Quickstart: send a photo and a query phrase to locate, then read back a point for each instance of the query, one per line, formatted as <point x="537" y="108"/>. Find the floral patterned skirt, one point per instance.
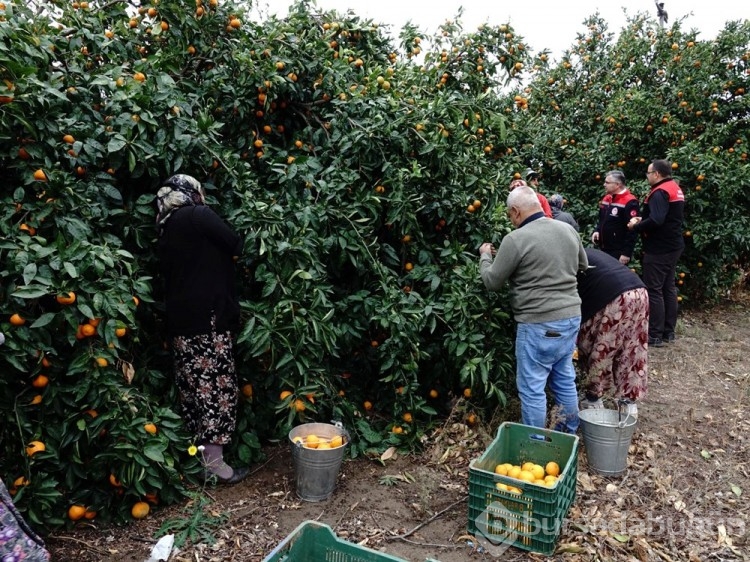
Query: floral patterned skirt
<point x="207" y="382"/>
<point x="612" y="347"/>
<point x="17" y="540"/>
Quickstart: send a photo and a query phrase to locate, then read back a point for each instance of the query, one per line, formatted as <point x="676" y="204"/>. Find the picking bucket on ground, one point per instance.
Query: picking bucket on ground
<point x="606" y="438"/>
<point x="316" y="470"/>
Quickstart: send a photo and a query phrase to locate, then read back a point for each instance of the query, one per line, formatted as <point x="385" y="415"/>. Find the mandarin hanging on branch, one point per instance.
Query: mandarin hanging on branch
<point x="66" y="298"/>
<point x="40" y="381"/>
<point x="17" y="320"/>
<point x="35" y="447"/>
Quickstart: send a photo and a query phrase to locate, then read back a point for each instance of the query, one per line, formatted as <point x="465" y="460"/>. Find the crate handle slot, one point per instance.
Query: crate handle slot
<point x="540" y="437"/>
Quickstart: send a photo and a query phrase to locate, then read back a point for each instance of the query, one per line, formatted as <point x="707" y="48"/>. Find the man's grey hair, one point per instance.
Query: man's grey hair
<point x="523" y="198"/>
<point x="617" y="176"/>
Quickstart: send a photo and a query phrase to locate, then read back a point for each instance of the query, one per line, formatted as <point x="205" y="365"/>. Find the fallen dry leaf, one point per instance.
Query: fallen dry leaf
<point x="388" y="453"/>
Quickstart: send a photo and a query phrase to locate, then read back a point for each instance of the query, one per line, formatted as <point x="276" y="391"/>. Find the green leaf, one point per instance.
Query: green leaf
<point x="154" y="453"/>
<point x="736" y="490"/>
<point x="112" y="192"/>
<point x="30" y="293"/>
<point x="43" y="320"/>
<point x="86" y="310"/>
<point x="705" y="454"/>
<point x="70" y="269"/>
<point x="302" y="274"/>
<point x="368" y="433"/>
<point x="29" y="272"/>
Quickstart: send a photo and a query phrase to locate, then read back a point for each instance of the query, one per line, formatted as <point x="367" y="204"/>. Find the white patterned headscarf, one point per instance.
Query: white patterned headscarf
<point x="178" y="191"/>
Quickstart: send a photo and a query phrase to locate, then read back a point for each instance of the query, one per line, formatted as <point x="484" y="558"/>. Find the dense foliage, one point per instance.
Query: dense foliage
<point x="362" y="176"/>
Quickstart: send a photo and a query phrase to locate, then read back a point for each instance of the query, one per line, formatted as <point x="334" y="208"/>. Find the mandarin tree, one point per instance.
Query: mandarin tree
<point x="338" y="156"/>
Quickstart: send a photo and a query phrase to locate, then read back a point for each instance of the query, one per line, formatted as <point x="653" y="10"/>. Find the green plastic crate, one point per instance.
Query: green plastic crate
<point x="533" y="519"/>
<point x="315" y="542"/>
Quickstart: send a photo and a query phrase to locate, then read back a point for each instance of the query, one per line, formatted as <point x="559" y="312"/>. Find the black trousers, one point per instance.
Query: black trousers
<point x="659" y="276"/>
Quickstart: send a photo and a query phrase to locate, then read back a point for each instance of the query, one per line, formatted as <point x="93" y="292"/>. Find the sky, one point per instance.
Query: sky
<point x="544" y="24"/>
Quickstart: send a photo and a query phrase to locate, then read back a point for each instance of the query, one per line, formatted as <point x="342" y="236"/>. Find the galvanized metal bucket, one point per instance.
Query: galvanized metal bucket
<point x="606" y="439"/>
<point x="316" y="470"/>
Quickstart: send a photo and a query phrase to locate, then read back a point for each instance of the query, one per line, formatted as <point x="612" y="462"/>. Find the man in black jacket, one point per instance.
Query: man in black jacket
<point x="615" y="211"/>
<point x="661" y="233"/>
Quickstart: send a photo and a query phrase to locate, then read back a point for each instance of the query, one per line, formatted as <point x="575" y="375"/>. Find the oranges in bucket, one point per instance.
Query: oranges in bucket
<point x="312" y="441"/>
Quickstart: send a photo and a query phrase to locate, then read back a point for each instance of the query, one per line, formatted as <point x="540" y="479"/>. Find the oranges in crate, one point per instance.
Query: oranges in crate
<point x="530" y="472"/>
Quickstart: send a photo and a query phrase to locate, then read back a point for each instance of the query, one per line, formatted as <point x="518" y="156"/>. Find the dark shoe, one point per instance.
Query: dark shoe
<point x="669" y="338"/>
<point x="591" y="402"/>
<point x="587" y="404"/>
<point x="655" y="342"/>
<point x="238" y="475"/>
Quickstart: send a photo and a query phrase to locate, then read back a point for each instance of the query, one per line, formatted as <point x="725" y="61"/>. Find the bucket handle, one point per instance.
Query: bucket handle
<point x="622" y="407"/>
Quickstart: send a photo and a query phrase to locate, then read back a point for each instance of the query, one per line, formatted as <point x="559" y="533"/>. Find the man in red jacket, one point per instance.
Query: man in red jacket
<point x="546" y="209"/>
<point x="660" y="228"/>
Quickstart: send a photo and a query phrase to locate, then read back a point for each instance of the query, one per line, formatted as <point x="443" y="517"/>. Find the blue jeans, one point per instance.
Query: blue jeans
<point x="544" y="354"/>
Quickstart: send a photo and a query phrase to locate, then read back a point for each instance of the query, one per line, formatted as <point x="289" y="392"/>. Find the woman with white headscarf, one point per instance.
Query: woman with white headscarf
<point x="197" y="251"/>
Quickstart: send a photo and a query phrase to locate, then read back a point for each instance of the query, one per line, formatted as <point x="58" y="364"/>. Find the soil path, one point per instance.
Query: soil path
<point x="684" y="495"/>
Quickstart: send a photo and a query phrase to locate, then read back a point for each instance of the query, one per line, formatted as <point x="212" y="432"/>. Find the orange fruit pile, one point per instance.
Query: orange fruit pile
<point x="314" y="442"/>
<point x="530" y="472"/>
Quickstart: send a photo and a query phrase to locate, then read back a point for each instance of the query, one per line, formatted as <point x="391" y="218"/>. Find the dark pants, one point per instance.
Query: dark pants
<point x="658" y="275"/>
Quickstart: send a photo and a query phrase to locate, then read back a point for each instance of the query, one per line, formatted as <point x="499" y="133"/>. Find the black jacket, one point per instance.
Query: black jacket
<point x="663" y="211"/>
<point x="615" y="211"/>
<point x="196" y="253"/>
<point x="603" y="282"/>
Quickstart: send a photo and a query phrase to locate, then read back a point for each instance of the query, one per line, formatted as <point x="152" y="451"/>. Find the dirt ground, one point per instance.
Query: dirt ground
<point x="684" y="495"/>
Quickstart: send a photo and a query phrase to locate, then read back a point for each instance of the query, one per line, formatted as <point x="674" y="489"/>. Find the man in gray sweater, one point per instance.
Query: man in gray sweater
<point x="540" y="260"/>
